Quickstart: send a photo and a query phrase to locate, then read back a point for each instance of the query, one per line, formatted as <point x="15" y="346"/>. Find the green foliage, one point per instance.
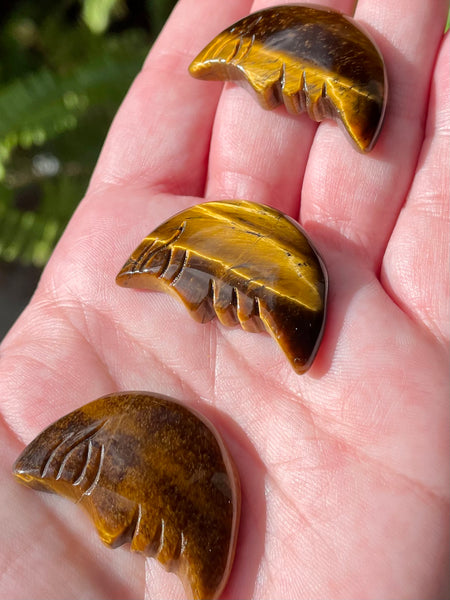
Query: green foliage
<point x="65" y="67"/>
<point x="97" y="14"/>
<point x="65" y="70"/>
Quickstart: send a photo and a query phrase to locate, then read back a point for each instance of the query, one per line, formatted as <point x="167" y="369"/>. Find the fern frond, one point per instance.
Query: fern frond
<point x="30" y="236"/>
<point x="42" y="105"/>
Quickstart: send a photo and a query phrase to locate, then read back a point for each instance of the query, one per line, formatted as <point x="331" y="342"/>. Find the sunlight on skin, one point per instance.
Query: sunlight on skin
<point x="344" y="470"/>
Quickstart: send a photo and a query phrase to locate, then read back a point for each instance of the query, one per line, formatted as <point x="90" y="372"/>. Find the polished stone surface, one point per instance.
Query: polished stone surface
<point x="150" y="472"/>
<point x="309" y="58"/>
<point x="243" y="262"/>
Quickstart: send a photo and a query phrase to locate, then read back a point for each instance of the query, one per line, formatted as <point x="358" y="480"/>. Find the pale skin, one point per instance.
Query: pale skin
<point x="345" y="470"/>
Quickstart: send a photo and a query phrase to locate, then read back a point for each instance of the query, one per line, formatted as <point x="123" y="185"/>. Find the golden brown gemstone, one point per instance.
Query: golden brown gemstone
<point x="308" y="58"/>
<point x="243" y="262"/>
<point x="150" y="472"/>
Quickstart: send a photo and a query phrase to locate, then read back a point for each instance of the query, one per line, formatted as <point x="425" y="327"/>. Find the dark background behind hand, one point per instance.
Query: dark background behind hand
<point x="49" y="61"/>
<point x="344" y="471"/>
<point x="64" y="70"/>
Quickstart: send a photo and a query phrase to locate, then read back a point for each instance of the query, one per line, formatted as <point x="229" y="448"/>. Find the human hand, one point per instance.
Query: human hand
<point x="345" y="471"/>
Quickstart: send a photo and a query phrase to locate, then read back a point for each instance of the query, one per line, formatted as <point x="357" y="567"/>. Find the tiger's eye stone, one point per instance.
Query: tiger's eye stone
<point x="311" y="59"/>
<point x="150" y="472"/>
<point x="246" y="263"/>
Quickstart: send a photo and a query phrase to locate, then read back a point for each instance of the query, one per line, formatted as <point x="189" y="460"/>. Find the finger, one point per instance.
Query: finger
<point x="256" y="154"/>
<point x="415" y="267"/>
<point x="360" y="196"/>
<point x="160" y="136"/>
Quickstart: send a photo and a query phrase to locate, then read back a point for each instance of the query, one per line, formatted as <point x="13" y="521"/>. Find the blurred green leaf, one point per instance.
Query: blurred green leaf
<point x="65" y="69"/>
<point x="97" y="13"/>
<point x="43" y="105"/>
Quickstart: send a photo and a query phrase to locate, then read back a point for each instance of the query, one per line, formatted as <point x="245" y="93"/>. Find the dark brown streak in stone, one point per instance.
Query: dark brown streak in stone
<point x="245" y="263"/>
<point x="144" y="468"/>
<point x="301" y="56"/>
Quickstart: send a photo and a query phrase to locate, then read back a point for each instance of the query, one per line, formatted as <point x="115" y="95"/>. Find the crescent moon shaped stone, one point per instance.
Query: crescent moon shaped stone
<point x="150" y="472"/>
<point x="307" y="58"/>
<point x="246" y="263"/>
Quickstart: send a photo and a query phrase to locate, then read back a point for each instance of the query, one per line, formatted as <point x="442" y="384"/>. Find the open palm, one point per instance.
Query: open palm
<point x="345" y="469"/>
